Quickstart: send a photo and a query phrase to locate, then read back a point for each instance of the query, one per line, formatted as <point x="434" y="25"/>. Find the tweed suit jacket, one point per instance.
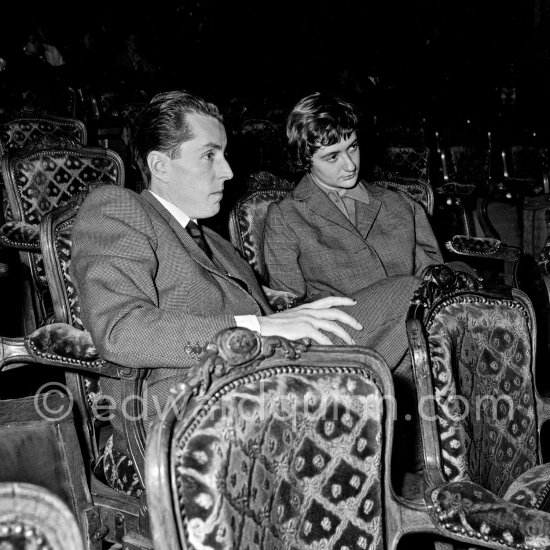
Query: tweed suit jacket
<point x="313" y="250"/>
<point x="150" y="297"/>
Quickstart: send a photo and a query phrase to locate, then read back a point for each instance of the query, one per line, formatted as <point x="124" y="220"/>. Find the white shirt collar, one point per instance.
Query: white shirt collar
<point x="181" y="217"/>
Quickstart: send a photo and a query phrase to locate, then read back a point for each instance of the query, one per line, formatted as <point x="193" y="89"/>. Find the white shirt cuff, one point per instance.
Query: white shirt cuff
<point x="248" y="321"/>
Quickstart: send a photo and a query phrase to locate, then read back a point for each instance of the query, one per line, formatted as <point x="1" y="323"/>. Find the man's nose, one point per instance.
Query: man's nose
<point x="226" y="171"/>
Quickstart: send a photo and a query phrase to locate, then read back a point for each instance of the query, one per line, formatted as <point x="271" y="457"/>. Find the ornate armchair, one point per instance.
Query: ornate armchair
<point x="36" y="182"/>
<point x="481" y="414"/>
<point x="273" y="444"/>
<point x="116" y="480"/>
<point x="246" y="227"/>
<point x="33" y="517"/>
<point x="111" y="508"/>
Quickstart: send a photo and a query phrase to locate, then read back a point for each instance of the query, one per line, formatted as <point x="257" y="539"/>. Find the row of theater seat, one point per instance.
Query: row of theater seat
<point x="225" y="469"/>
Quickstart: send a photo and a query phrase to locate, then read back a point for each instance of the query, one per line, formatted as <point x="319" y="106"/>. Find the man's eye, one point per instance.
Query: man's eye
<point x="354" y="146"/>
<point x="332" y="158"/>
<point x="209" y="156"/>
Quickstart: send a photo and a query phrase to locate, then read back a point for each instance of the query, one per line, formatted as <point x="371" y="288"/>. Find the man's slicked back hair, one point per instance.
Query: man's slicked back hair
<point x="316" y="121"/>
<point x="164" y="126"/>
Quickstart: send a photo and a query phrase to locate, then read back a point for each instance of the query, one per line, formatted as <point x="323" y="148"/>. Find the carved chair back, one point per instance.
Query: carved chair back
<point x="419" y="190"/>
<point x="399" y="162"/>
<point x="34" y="517"/>
<point x="474" y="368"/>
<point x="271" y="444"/>
<point x="38" y="181"/>
<point x="20" y="132"/>
<point x="247" y="217"/>
<point x="86" y="388"/>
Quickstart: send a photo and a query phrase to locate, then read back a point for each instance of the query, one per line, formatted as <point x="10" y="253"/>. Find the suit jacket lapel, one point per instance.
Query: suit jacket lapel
<point x="190" y="245"/>
<point x="367" y="213"/>
<point x="227" y="268"/>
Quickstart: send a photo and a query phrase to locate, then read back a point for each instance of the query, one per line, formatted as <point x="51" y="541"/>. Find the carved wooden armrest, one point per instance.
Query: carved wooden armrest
<point x="280" y="299"/>
<point x="59" y="345"/>
<point x="482" y="247"/>
<point x="20" y="235"/>
<point x="466" y="511"/>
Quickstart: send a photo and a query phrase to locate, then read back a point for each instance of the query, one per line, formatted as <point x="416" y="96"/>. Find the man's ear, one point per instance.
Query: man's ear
<point x="157" y="163"/>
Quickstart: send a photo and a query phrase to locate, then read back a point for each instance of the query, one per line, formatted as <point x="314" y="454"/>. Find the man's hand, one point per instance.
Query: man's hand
<point x="309" y="319"/>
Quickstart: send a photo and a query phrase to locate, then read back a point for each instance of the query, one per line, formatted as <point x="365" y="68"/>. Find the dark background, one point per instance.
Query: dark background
<point x="424" y="51"/>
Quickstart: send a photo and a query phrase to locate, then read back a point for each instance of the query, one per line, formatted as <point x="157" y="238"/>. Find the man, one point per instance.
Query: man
<point x="335" y="234"/>
<point x="151" y="297"/>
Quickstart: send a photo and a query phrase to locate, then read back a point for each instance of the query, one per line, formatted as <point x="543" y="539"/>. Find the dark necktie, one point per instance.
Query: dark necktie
<point x="196" y="232"/>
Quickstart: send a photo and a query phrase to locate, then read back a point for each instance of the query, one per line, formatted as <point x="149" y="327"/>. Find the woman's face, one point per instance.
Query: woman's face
<point x="337" y="165"/>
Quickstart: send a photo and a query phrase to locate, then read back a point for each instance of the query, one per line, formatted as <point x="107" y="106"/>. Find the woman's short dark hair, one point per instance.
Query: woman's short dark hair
<point x="316" y="121"/>
<point x="163" y="126"/>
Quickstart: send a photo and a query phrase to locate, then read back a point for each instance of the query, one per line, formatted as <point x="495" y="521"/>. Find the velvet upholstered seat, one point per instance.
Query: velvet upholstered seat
<point x="274" y="444"/>
<point x="481" y="414"/>
<point x="37" y="181"/>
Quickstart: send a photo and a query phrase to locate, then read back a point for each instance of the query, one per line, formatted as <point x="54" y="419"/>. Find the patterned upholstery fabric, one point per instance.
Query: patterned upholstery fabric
<point x="251" y="216"/>
<point x="41" y="180"/>
<point x="406" y="162"/>
<point x="531" y="488"/>
<point x="18" y="133"/>
<point x="63" y="243"/>
<point x="298" y="467"/>
<point x="48" y="178"/>
<point x="466" y="508"/>
<point x="22" y="234"/>
<point x="489" y="434"/>
<point x="117" y="471"/>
